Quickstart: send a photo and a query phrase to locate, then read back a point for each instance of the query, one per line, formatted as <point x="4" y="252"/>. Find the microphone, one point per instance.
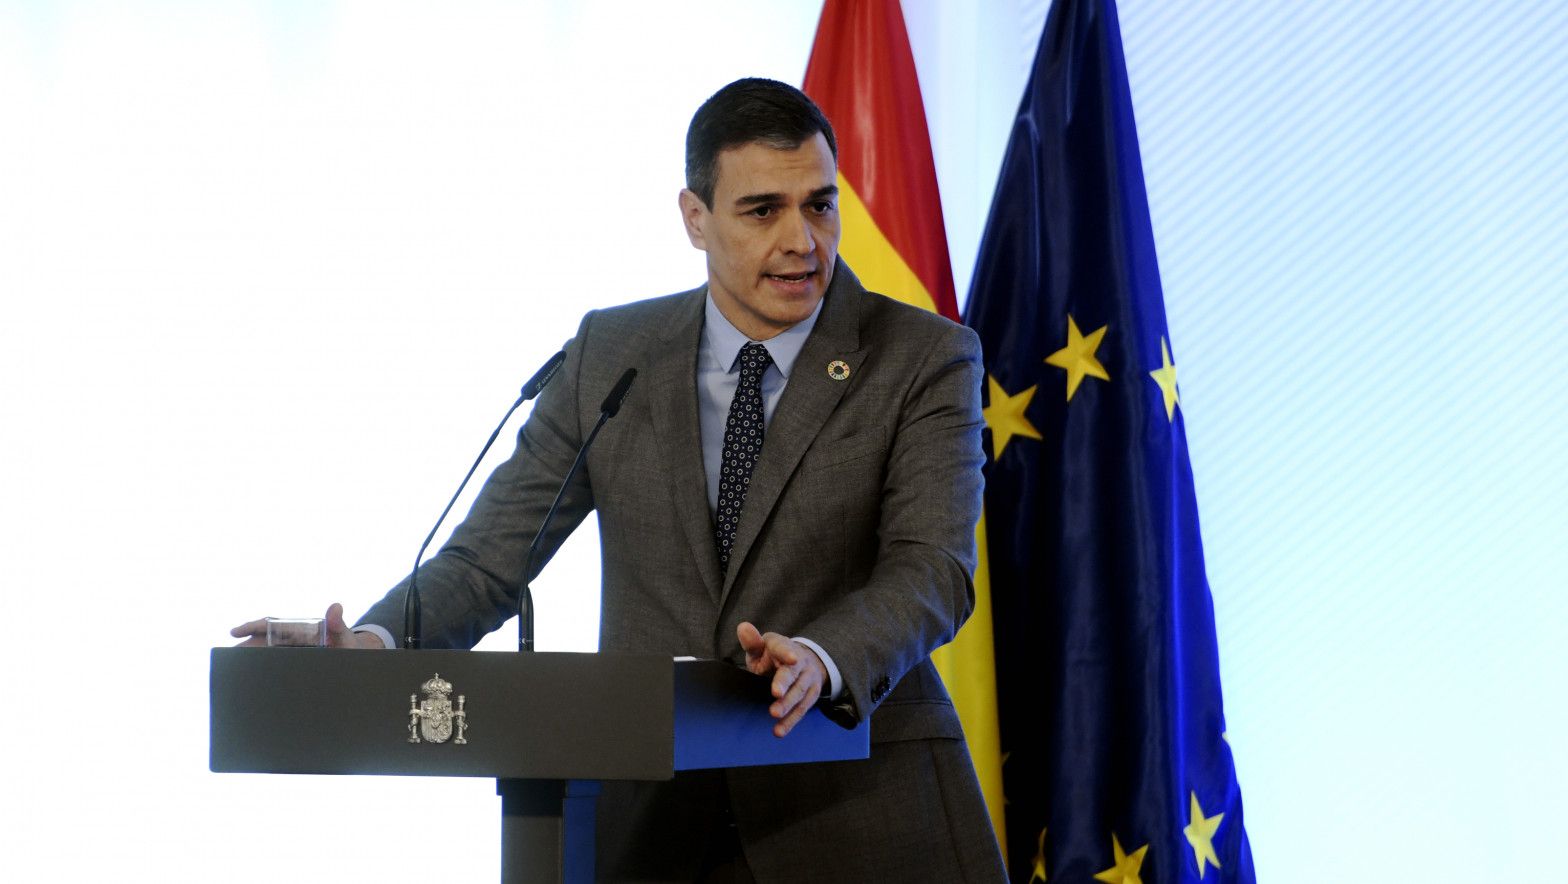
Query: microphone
<point x="617" y="395"/>
<point x="536" y="384"/>
<point x="525" y="599"/>
<point x="411" y="611"/>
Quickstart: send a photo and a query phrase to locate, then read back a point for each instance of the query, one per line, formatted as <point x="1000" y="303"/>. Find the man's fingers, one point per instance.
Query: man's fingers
<point x="756" y="649"/>
<point x="784" y="679"/>
<point x="253" y="631"/>
<point x="337" y="631"/>
<point x="782" y="649"/>
<point x="794" y="698"/>
<point x="783" y="728"/>
<point x="789" y="721"/>
<point x="798" y="677"/>
<point x="750" y="638"/>
<point x="805" y="687"/>
<point x="250" y="627"/>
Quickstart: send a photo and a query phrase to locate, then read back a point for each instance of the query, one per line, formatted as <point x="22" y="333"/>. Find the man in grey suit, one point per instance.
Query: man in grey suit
<point x="793" y="486"/>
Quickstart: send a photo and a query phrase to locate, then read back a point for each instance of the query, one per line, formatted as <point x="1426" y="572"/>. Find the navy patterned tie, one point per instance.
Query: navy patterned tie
<point x="742" y="446"/>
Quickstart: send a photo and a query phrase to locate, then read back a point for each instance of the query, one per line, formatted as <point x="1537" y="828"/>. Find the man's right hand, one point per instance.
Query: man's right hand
<point x="338" y="633"/>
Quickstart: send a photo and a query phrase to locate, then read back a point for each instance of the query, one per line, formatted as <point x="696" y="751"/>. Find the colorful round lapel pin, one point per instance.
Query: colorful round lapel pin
<point x="838" y="370"/>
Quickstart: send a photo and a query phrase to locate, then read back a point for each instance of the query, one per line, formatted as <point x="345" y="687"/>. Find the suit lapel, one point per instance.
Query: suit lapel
<point x="672" y="378"/>
<point x="809" y="399"/>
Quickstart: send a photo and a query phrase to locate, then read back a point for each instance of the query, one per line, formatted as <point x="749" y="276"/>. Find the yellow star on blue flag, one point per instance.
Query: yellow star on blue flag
<point x="1078" y="356"/>
<point x="1005" y="416"/>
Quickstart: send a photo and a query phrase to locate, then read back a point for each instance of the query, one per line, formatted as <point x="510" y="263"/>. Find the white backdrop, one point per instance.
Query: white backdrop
<point x="269" y="272"/>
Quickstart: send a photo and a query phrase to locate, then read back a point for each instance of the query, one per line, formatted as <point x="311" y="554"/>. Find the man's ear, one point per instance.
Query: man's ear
<point x="695" y="216"/>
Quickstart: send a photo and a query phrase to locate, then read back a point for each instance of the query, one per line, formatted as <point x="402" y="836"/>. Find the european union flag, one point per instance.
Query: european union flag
<point x="1117" y="766"/>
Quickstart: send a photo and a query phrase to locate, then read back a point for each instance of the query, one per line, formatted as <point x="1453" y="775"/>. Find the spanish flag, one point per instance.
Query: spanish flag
<point x="862" y="74"/>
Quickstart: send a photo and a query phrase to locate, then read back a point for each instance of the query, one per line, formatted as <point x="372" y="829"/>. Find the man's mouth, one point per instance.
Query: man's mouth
<point x="792" y="277"/>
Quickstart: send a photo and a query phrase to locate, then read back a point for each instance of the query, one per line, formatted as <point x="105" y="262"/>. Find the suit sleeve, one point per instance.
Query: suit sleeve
<point x="920" y="590"/>
<point x="471" y="586"/>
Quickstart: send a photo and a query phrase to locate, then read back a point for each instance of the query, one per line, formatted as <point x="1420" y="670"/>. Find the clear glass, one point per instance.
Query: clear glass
<point x="287" y="632"/>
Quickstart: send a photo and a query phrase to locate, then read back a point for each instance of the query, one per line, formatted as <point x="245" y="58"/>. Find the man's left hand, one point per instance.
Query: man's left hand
<point x="798" y="674"/>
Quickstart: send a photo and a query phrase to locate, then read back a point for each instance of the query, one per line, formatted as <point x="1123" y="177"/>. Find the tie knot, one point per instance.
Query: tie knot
<point x="754" y="359"/>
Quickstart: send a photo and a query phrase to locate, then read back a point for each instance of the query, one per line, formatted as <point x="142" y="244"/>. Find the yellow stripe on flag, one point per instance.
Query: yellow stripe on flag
<point x="967" y="663"/>
<point x="877" y="264"/>
<point x="862" y="74"/>
<point x="968" y="667"/>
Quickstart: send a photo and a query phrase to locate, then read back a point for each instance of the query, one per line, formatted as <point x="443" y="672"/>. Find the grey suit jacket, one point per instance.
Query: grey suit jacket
<point x="857" y="531"/>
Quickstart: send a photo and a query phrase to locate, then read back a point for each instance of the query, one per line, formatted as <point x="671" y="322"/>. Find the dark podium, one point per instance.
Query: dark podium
<point x="547" y="726"/>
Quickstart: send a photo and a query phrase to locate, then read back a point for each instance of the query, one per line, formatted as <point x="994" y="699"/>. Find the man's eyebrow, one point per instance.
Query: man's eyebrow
<point x="761" y="199"/>
<point x="757" y="199"/>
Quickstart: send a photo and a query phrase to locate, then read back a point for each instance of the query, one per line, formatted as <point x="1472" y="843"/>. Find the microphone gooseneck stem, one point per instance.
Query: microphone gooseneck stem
<point x="525" y="596"/>
<point x="411" y="612"/>
<point x="412" y="625"/>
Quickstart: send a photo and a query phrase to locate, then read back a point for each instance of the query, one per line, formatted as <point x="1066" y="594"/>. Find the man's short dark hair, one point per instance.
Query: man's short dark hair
<point x="754" y="109"/>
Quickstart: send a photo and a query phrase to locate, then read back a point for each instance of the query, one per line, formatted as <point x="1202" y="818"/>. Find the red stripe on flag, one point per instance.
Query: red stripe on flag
<point x="862" y="74"/>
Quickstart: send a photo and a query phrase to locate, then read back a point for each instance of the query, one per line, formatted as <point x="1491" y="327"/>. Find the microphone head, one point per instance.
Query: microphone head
<point x="543" y="376"/>
<point x="612" y="402"/>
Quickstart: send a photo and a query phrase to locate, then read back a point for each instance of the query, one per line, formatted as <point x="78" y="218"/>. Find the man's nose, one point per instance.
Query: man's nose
<point x="796" y="238"/>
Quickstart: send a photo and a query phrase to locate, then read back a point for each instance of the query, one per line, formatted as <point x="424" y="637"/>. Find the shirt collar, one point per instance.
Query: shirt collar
<point x="721" y="340"/>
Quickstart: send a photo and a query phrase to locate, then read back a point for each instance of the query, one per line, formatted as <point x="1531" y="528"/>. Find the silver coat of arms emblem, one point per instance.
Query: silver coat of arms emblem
<point x="435" y="719"/>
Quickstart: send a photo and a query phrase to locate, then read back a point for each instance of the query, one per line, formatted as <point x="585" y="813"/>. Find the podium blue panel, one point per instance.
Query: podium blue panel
<point x="722" y="720"/>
